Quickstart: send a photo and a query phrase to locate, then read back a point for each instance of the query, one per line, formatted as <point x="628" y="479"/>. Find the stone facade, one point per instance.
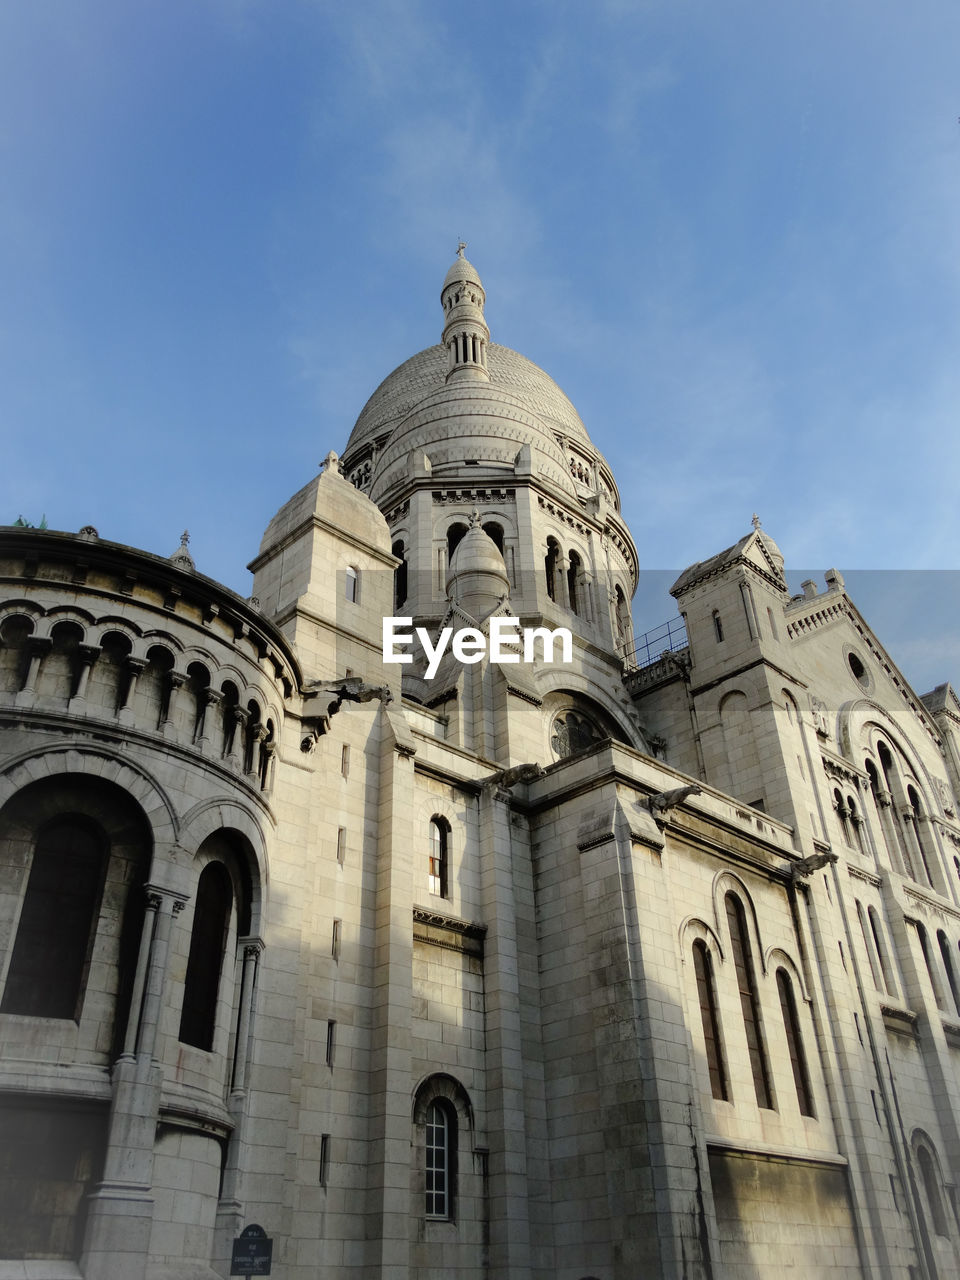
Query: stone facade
<point x="569" y="970"/>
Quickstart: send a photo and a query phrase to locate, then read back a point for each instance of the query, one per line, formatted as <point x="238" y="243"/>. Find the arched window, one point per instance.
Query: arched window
<point x="856" y="823"/>
<point x="749" y="1002"/>
<point x="866" y="943"/>
<point x="494" y="532"/>
<point x="928" y="964"/>
<point x="550" y="562"/>
<point x="439" y="856"/>
<point x="622" y="619"/>
<point x="351" y="584"/>
<point x="919" y="826"/>
<point x="399" y="575"/>
<point x="879" y="942"/>
<point x="455" y="535"/>
<point x="843" y="815"/>
<point x="572" y="733"/>
<point x="703" y="968"/>
<point x="51" y="952"/>
<point x="931" y="1185"/>
<point x="791" y="1025"/>
<point x="574" y="572"/>
<point x="440" y="1154"/>
<point x="211" y="924"/>
<point x="946" y="956"/>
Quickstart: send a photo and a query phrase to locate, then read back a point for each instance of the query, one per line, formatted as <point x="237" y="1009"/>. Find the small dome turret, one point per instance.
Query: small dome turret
<point x="465" y="332"/>
<point x="477" y="578"/>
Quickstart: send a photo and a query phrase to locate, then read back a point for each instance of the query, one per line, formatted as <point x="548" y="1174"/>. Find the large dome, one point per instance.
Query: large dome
<point x="425" y="373"/>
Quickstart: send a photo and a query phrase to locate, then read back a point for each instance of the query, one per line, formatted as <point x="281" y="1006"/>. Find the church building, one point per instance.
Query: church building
<point x="621" y="961"/>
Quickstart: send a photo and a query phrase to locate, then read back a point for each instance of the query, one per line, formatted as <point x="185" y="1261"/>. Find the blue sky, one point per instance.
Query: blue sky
<point x="731" y="232"/>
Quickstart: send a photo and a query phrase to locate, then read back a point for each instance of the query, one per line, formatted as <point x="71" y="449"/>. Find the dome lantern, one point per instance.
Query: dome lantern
<point x="465" y="332"/>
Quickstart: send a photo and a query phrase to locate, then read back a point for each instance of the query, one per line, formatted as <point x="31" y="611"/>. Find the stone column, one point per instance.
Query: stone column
<point x="208" y="698"/>
<point x="238" y="740"/>
<point x="168" y="725"/>
<point x="37" y="648"/>
<point x="87" y="654"/>
<point x="120" y="1215"/>
<point x="390" y="1016"/>
<point x="251" y="949"/>
<point x="509" y="1211"/>
<point x="229" y="1221"/>
<point x="258" y="735"/>
<point x="135" y="669"/>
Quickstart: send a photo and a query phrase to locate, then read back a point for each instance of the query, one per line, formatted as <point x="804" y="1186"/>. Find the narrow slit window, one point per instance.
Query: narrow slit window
<point x="791" y="1025"/>
<point x="341" y="845"/>
<point x="945" y="955"/>
<point x="437" y="1201"/>
<point x="703" y="968"/>
<point x="331" y="1041"/>
<point x="438" y="857"/>
<point x="351" y="587"/>
<point x="211" y="922"/>
<point x="335" y="939"/>
<point x="717" y="626"/>
<point x="749" y="1003"/>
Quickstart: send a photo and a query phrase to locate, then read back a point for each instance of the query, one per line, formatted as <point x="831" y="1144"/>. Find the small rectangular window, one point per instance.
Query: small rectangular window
<point x="345" y="760"/>
<point x="335" y="942"/>
<point x="341" y="845"/>
<point x="331" y="1041"/>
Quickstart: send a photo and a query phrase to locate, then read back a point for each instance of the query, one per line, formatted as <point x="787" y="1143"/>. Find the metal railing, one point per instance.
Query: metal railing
<point x="669" y="637"/>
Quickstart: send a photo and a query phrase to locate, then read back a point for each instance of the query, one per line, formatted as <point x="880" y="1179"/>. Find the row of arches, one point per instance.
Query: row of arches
<point x="727" y="976"/>
<point x="161" y="688"/>
<point x="78" y="853"/>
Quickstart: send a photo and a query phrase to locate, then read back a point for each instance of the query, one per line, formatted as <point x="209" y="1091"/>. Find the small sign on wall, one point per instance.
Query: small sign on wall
<point x="252" y="1252"/>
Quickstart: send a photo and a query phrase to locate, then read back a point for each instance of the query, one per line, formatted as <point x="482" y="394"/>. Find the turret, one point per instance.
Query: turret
<point x="465" y="332"/>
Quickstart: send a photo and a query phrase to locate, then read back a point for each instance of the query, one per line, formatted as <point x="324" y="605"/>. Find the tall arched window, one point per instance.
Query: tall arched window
<point x="51" y="952"/>
<point x="947" y="957"/>
<point x="931" y="1185"/>
<point x="550" y="562"/>
<point x="440" y="1157"/>
<point x="866" y="943"/>
<point x="622" y="620"/>
<point x="791" y="1025"/>
<point x="494" y="532"/>
<point x="749" y="1003"/>
<point x="928" y="965"/>
<point x="574" y="571"/>
<point x="439" y="856"/>
<point x="399" y="575"/>
<point x="919" y="828"/>
<point x="455" y="535"/>
<point x="703" y="968"/>
<point x="211" y="924"/>
<point x="879" y="942"/>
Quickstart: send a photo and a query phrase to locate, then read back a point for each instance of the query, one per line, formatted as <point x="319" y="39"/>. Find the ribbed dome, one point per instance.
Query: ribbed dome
<point x="421" y="375"/>
<point x="462" y="269"/>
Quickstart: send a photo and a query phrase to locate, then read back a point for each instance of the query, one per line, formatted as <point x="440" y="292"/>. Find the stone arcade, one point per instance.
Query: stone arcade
<point x="539" y="972"/>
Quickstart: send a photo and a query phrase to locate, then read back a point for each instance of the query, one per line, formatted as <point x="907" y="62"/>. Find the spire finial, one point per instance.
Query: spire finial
<point x="185" y="539"/>
<point x="755" y="521"/>
<point x="461" y="246"/>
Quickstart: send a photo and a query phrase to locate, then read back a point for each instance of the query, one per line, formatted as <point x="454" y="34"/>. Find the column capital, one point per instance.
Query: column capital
<point x="158" y="895"/>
